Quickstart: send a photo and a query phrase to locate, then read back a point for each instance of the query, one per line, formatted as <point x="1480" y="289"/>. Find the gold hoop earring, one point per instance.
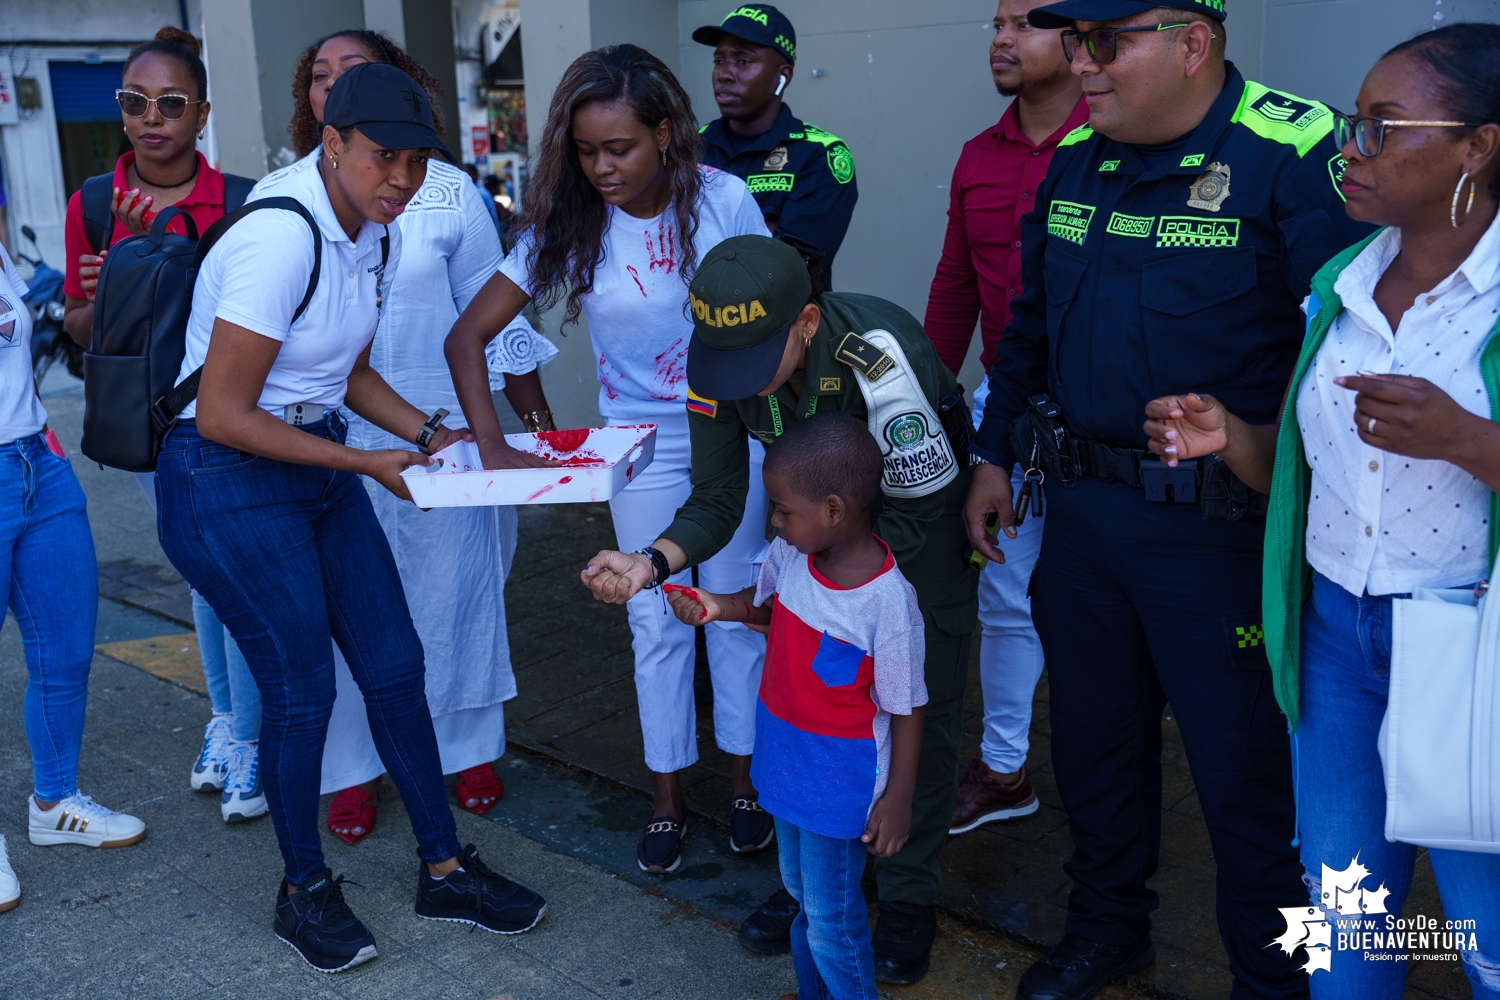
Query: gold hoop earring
<point x="200" y="135"/>
<point x="335" y="164"/>
<point x="1469" y="207"/>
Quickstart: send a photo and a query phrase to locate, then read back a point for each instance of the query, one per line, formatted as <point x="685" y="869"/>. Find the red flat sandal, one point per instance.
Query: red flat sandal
<point x="350" y="808"/>
<point x="477" y="784"/>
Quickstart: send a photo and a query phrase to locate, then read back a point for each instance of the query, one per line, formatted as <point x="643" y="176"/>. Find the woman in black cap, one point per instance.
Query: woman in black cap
<point x="263" y="511"/>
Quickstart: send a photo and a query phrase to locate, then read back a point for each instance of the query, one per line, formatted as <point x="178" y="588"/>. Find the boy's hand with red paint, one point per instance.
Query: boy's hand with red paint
<point x="694" y="606"/>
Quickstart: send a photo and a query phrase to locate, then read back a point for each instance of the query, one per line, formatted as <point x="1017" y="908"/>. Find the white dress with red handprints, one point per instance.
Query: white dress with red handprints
<point x="639" y="325"/>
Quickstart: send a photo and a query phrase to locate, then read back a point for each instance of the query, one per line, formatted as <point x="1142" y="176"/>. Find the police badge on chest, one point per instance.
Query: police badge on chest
<point x="1210" y="189"/>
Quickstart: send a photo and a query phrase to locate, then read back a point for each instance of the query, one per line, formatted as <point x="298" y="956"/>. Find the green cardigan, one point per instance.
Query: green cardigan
<point x="1286" y="577"/>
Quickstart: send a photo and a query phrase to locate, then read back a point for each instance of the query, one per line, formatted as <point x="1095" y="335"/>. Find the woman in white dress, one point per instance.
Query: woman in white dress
<point x="618" y="213"/>
<point x="453" y="561"/>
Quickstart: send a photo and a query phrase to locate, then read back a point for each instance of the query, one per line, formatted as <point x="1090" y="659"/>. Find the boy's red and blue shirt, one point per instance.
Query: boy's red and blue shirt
<point x="839" y="662"/>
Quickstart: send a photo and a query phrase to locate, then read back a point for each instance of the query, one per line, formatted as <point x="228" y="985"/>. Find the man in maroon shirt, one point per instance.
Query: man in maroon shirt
<point x="979" y="273"/>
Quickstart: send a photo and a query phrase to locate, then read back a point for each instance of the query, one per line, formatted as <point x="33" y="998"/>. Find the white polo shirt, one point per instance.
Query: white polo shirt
<point x="256" y="275"/>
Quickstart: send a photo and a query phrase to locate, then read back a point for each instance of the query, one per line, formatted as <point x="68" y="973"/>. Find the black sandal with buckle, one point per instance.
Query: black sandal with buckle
<point x="751" y="828"/>
<point x="660" y="847"/>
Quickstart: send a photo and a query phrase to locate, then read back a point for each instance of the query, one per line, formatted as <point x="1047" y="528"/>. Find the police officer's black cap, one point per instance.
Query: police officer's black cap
<point x="1062" y="15"/>
<point x="745" y="296"/>
<point x="754" y="22"/>
<point x="386" y="105"/>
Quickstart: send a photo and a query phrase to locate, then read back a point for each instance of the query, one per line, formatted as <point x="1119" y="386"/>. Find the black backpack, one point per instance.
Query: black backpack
<point x="141" y="309"/>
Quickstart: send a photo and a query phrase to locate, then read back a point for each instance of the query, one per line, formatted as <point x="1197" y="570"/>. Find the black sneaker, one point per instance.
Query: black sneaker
<point x="768" y="931"/>
<point x="320" y="927"/>
<point x="660" y="848"/>
<point x="1078" y="968"/>
<point x="903" y="942"/>
<point x="751" y="828"/>
<point x="479" y="896"/>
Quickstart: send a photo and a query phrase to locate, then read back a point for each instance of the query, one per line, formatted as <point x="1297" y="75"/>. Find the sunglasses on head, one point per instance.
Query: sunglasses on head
<point x="1369" y="133"/>
<point x="171" y="106"/>
<point x="1100" y="42"/>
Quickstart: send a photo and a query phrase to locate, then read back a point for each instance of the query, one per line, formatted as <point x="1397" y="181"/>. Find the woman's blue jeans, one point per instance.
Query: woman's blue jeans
<point x="831" y="949"/>
<point x="47" y="560"/>
<point x="231" y="688"/>
<point x="1346" y="670"/>
<point x="289" y="556"/>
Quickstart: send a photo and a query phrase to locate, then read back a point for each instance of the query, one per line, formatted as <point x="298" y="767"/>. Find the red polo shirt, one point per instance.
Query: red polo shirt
<point x="205" y="203"/>
<point x="980" y="270"/>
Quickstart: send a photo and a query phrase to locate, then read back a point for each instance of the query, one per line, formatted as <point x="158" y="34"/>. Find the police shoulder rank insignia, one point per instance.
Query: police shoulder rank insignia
<point x="857" y="352"/>
<point x="1210" y="189"/>
<point x="841" y="163"/>
<point x="826" y="384"/>
<point x="1285" y="110"/>
<point x="697" y="404"/>
<point x="775" y="160"/>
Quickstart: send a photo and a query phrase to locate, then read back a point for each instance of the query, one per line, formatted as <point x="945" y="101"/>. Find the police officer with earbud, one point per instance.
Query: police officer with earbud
<point x="771" y="346"/>
<point x="1169" y="249"/>
<point x="801" y="176"/>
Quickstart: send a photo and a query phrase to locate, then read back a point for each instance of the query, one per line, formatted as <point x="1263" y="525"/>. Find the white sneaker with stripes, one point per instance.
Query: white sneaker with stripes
<point x="10" y="888"/>
<point x="78" y="819"/>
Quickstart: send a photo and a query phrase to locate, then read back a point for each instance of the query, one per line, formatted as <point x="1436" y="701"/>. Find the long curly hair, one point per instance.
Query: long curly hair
<point x="565" y="216"/>
<point x="305" y="129"/>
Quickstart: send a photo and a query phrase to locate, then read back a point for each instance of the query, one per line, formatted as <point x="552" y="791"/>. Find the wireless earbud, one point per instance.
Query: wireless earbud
<point x="780" y="86"/>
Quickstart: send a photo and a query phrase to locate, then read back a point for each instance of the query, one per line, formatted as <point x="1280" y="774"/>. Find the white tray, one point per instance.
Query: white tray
<point x="607" y="460"/>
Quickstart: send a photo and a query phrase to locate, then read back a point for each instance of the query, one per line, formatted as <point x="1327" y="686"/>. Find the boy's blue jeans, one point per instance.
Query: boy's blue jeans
<point x="47" y="563"/>
<point x="1346" y="669"/>
<point x="831" y="935"/>
<point x="289" y="556"/>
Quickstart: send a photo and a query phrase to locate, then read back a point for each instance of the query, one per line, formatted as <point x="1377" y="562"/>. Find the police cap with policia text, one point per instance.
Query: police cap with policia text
<point x="1062" y="15"/>
<point x="759" y="23"/>
<point x="746" y="294"/>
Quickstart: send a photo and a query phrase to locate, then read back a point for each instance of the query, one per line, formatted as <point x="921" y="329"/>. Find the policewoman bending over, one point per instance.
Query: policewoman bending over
<point x="1386" y="470"/>
<point x="772" y="347"/>
<point x="263" y="511"/>
<point x="1171" y="245"/>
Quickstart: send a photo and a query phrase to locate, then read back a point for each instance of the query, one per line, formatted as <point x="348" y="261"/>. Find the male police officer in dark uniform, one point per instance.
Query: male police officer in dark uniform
<point x="801" y="176"/>
<point x="769" y="349"/>
<point x="1171" y="244"/>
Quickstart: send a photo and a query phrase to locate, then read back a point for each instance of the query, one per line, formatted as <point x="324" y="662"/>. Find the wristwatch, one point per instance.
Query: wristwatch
<point x="424" y="436"/>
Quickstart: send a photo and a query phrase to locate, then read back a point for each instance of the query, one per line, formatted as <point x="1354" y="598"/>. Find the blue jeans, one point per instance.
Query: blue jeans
<point x="291" y="555"/>
<point x="231" y="686"/>
<point x="831" y="935"/>
<point x="47" y="558"/>
<point x="1346" y="669"/>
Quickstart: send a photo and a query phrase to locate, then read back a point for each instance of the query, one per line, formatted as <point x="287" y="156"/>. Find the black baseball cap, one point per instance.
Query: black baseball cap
<point x="746" y="294"/>
<point x="1062" y="15"/>
<point x="386" y="105"/>
<point x="754" y="22"/>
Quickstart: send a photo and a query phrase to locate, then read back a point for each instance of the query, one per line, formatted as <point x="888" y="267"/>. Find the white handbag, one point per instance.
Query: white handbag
<point x="1440" y="740"/>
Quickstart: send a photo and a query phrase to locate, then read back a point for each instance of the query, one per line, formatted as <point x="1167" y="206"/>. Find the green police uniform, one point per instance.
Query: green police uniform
<point x="925" y="533"/>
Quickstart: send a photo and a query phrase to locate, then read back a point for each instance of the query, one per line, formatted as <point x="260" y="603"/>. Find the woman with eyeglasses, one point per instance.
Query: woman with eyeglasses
<point x="1384" y="470"/>
<point x="164" y="106"/>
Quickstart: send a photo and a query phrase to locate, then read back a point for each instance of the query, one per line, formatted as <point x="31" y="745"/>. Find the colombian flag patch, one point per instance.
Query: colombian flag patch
<point x="697" y="404"/>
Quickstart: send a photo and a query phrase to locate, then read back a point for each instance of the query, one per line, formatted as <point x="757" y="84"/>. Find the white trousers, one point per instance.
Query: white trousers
<point x="664" y="647"/>
<point x="1010" y="654"/>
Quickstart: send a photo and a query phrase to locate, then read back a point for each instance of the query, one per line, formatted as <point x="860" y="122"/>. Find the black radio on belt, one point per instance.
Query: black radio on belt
<point x="1042" y="441"/>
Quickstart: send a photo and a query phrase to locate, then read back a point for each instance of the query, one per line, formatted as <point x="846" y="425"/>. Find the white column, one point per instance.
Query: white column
<point x="387" y="16"/>
<point x="234" y="86"/>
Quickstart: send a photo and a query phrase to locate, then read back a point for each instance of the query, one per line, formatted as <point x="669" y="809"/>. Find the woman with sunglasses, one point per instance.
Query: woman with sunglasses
<point x="164" y="107"/>
<point x="453" y="561"/>
<point x="262" y="508"/>
<point x="1384" y="470"/>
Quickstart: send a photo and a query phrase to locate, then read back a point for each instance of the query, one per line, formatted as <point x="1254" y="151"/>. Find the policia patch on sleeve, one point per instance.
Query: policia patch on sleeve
<point x="858" y="353"/>
<point x="1247" y="641"/>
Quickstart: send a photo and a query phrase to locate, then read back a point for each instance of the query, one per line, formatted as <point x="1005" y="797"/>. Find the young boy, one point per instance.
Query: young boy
<point x="838" y="727"/>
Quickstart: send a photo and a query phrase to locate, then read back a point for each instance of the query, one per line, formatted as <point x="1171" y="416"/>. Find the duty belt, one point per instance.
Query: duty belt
<point x="1043" y="444"/>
